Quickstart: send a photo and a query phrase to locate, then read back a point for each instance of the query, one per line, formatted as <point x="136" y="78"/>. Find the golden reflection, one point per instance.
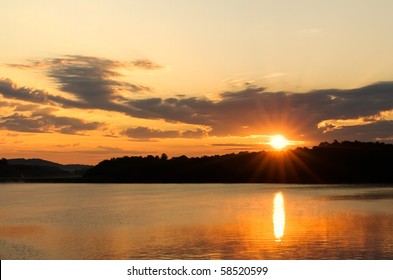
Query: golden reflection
<point x="278" y="216"/>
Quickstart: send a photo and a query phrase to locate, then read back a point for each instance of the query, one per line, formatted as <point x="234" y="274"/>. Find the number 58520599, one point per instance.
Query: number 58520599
<point x="244" y="270"/>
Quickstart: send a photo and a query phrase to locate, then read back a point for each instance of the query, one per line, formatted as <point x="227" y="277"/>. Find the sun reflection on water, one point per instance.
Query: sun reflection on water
<point x="278" y="216"/>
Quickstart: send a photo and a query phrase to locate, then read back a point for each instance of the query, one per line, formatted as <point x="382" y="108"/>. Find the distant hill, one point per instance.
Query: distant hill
<point x="337" y="162"/>
<point x="25" y="169"/>
<point x="41" y="162"/>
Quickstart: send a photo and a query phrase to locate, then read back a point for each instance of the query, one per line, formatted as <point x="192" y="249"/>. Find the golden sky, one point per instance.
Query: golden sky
<point x="82" y="81"/>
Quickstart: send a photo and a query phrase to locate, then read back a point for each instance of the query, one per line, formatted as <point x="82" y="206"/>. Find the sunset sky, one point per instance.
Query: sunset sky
<point x="83" y="81"/>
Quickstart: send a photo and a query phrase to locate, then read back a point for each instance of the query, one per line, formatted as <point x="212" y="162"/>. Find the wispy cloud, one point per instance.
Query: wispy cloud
<point x="10" y="90"/>
<point x="93" y="81"/>
<point x="146" y="64"/>
<point x="109" y="150"/>
<point x="149" y="133"/>
<point x="237" y="146"/>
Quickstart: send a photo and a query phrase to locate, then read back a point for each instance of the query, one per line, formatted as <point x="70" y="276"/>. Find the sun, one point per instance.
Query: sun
<point x="278" y="142"/>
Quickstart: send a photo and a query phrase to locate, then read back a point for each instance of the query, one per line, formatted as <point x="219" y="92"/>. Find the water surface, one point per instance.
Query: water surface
<point x="195" y="221"/>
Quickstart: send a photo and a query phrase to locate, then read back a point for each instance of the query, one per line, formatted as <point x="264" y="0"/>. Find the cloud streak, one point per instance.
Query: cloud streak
<point x="149" y="133"/>
<point x="10" y="90"/>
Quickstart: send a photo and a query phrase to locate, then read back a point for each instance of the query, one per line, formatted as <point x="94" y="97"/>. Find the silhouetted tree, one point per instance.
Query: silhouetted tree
<point x="4" y="162"/>
<point x="164" y="157"/>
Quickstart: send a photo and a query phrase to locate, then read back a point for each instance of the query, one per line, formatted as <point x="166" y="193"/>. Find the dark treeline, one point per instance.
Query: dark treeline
<point x="6" y="171"/>
<point x="337" y="162"/>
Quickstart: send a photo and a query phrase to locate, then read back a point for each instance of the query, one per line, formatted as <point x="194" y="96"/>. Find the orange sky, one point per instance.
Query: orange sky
<point x="82" y="82"/>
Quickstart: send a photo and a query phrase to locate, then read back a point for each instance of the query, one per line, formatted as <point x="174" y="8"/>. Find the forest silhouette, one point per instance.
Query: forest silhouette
<point x="336" y="162"/>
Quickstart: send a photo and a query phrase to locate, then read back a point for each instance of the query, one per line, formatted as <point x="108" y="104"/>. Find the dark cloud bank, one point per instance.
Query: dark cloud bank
<point x="95" y="84"/>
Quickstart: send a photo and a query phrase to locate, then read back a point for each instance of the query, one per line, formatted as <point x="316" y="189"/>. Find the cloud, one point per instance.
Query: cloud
<point x="149" y="133"/>
<point x="92" y="81"/>
<point x="5" y="104"/>
<point x="146" y="64"/>
<point x="25" y="107"/>
<point x="110" y="149"/>
<point x="378" y="131"/>
<point x="197" y="133"/>
<point x="234" y="145"/>
<point x="36" y="118"/>
<point x="95" y="83"/>
<point x="257" y="111"/>
<point x="43" y="121"/>
<point x="238" y="146"/>
<point x="66" y="145"/>
<point x="10" y="90"/>
<point x="107" y="150"/>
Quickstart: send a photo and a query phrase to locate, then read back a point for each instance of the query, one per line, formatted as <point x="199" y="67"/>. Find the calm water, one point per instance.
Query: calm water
<point x="241" y="221"/>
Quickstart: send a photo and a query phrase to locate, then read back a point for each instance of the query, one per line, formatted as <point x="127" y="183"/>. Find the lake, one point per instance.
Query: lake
<point x="195" y="221"/>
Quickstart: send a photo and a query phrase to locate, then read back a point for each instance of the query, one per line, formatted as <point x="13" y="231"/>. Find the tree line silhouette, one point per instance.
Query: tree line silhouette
<point x="337" y="162"/>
